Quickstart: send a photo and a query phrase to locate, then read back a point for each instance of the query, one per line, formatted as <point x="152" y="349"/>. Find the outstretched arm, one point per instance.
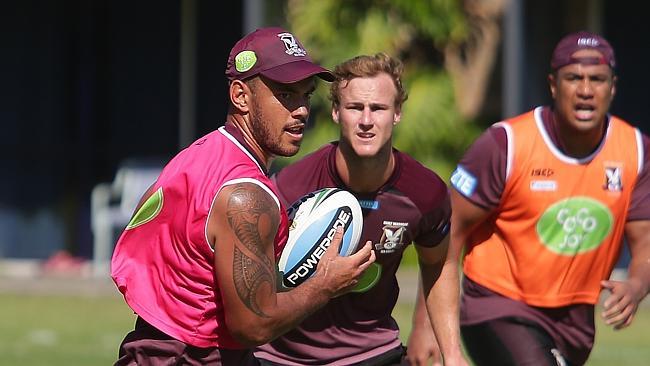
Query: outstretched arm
<point x="422" y="345"/>
<point x="243" y="223"/>
<point x="439" y="268"/>
<point x="440" y="285"/>
<point x="623" y="302"/>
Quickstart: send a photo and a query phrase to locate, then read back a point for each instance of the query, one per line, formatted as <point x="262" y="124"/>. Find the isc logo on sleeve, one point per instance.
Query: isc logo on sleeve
<point x="463" y="181"/>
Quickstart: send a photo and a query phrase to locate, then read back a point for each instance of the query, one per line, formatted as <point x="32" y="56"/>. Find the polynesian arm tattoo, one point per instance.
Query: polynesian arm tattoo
<point x="253" y="216"/>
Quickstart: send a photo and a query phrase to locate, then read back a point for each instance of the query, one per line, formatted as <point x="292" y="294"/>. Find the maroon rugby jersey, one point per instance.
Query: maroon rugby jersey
<point x="413" y="206"/>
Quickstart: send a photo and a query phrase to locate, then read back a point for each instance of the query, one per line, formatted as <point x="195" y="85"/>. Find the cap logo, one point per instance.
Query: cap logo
<point x="292" y="46"/>
<point x="588" y="42"/>
<point x="245" y="60"/>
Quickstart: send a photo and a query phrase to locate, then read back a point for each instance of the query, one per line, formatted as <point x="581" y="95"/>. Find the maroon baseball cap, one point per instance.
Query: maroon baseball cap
<point x="563" y="53"/>
<point x="274" y="53"/>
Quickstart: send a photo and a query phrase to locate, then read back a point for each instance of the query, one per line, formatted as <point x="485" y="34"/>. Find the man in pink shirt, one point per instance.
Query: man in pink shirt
<point x="197" y="262"/>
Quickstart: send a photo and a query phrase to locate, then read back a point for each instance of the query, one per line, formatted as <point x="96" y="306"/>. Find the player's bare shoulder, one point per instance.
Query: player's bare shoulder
<point x="250" y="210"/>
<point x="243" y="223"/>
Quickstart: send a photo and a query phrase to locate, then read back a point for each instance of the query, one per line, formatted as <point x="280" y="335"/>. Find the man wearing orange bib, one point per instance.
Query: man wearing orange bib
<point x="540" y="206"/>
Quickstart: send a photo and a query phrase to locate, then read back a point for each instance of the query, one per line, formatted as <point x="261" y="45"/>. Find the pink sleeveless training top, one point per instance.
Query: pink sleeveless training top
<point x="163" y="263"/>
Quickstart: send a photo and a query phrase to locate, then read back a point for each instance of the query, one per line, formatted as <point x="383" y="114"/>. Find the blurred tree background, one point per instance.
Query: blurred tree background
<point x="448" y="48"/>
<point x="90" y="80"/>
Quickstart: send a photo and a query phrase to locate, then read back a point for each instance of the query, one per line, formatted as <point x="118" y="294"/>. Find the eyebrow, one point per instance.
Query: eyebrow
<point x="372" y="104"/>
<point x="586" y="74"/>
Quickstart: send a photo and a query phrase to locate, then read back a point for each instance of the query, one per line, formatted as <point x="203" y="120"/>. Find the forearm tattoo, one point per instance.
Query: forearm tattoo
<point x="252" y="215"/>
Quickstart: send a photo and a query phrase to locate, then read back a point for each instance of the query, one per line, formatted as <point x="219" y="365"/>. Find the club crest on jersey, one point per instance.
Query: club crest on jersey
<point x="392" y="237"/>
<point x="293" y="48"/>
<point x="613" y="179"/>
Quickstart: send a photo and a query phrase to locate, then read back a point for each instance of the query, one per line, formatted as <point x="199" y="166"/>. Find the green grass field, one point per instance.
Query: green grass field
<point x="69" y="330"/>
<point x="61" y="330"/>
<point x="628" y="347"/>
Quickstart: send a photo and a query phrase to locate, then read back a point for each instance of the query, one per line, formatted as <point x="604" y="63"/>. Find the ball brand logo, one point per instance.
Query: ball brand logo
<point x="588" y="41"/>
<point x="575" y="225"/>
<point x="308" y="263"/>
<point x="291" y="211"/>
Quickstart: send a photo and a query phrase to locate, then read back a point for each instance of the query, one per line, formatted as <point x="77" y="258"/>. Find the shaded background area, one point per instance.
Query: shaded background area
<point x="86" y="85"/>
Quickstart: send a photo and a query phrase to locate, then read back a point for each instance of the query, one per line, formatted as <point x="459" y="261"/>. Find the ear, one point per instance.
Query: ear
<point x="397" y="117"/>
<point x="239" y="95"/>
<point x="551" y="84"/>
<point x="335" y="114"/>
<point x="614" y="82"/>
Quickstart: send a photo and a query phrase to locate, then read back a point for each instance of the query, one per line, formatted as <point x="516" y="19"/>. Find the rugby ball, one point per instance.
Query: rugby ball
<point x="313" y="221"/>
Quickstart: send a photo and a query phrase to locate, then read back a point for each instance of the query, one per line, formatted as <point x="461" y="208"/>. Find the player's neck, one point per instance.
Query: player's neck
<point x="363" y="174"/>
<point x="578" y="144"/>
<point x="253" y="146"/>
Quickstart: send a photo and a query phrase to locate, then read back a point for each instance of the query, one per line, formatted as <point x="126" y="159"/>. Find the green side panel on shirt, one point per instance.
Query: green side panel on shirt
<point x="148" y="211"/>
<point x="369" y="278"/>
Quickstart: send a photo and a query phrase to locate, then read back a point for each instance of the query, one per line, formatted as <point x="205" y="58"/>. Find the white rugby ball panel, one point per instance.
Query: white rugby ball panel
<point x="315" y="218"/>
<point x="303" y="259"/>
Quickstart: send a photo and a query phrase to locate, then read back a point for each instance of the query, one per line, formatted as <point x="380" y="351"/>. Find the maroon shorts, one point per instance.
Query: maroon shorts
<point x="393" y="357"/>
<point x="147" y="346"/>
<point x="518" y="329"/>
